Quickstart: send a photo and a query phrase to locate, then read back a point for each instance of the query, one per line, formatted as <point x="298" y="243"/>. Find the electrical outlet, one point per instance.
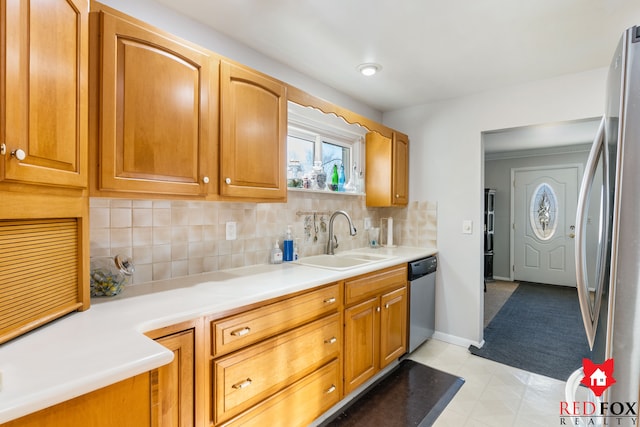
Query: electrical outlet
<point x="367" y="223"/>
<point x="231" y="230"/>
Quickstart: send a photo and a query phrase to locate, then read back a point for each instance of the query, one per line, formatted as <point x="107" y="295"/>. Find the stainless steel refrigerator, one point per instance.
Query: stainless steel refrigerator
<point x="608" y="227"/>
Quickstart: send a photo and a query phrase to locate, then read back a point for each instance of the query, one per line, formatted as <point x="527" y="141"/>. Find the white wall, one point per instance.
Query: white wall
<point x="171" y="21"/>
<point x="446" y="166"/>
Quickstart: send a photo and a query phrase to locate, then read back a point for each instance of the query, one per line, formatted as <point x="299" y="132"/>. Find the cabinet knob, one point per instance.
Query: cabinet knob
<point x="378" y="309"/>
<point x="330" y="389"/>
<point x="205" y="179"/>
<point x="227" y="180"/>
<point x="19" y="154"/>
<point x="397" y="196"/>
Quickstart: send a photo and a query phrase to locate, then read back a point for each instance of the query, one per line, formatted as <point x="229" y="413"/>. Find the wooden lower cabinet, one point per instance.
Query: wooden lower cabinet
<point x="177" y="389"/>
<point x="298" y="404"/>
<point x="123" y="404"/>
<point x="375" y="328"/>
<point x="278" y="364"/>
<point x="248" y="377"/>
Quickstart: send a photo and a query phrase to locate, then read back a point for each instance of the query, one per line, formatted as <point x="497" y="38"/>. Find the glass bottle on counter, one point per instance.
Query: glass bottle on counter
<point x="341" y="178"/>
<point x="334" y="178"/>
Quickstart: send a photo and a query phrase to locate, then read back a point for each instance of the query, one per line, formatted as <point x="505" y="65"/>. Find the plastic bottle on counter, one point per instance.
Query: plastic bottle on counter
<point x="288" y="245"/>
<point x="276" y="254"/>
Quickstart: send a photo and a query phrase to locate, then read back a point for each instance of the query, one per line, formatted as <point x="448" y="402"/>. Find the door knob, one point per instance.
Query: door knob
<point x="572" y="235"/>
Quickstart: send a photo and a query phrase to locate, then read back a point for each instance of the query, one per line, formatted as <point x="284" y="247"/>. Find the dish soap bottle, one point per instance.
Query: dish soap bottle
<point x="288" y="245"/>
<point x="276" y="254"/>
<point x="341" y="179"/>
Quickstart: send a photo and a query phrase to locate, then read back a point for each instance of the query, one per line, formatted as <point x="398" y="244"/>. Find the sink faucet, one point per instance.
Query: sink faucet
<point x="352" y="231"/>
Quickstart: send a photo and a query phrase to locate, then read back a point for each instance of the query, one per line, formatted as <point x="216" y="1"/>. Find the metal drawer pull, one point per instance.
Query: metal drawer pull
<point x="386" y="306"/>
<point x="330" y="300"/>
<point x="331" y="340"/>
<point x="243" y="384"/>
<point x="241" y="332"/>
<point x="330" y="389"/>
<point x="378" y="309"/>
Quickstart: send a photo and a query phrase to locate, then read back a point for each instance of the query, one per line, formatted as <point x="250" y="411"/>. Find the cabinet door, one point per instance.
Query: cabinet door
<point x="387" y="160"/>
<point x="43" y="79"/>
<point x="393" y="326"/>
<point x="157" y="125"/>
<point x="253" y="126"/>
<point x="361" y="337"/>
<point x="400" y="193"/>
<point x="173" y="385"/>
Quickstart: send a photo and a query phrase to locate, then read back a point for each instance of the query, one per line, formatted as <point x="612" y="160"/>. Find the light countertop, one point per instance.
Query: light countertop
<point x="88" y="350"/>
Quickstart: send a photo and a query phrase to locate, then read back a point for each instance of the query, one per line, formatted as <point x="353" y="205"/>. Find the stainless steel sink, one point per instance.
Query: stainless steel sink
<point x="341" y="261"/>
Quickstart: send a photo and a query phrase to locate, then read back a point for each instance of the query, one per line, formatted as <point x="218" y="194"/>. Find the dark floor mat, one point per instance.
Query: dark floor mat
<point x="411" y="395"/>
<point x="539" y="329"/>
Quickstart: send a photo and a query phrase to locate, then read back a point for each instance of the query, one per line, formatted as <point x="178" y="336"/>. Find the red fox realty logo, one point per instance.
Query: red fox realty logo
<point x="598" y="378"/>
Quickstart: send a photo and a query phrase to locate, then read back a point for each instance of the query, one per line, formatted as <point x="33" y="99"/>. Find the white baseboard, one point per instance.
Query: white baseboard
<point x="453" y="339"/>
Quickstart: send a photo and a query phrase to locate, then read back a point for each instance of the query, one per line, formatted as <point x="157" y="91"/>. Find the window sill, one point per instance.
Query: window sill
<point x="338" y="193"/>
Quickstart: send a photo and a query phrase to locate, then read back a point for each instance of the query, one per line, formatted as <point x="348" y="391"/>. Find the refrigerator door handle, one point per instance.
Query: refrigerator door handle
<point x="590" y="307"/>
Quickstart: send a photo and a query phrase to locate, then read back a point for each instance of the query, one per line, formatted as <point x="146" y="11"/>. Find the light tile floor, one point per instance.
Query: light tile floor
<point x="493" y="394"/>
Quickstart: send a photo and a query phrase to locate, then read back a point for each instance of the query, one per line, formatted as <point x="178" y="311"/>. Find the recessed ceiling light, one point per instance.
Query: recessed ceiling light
<point x="369" y="69"/>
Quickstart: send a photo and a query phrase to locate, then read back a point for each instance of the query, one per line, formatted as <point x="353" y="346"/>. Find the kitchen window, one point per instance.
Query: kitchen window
<point x="317" y="137"/>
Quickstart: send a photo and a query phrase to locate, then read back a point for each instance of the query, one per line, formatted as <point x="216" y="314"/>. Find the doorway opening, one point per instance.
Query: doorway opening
<point x="524" y="149"/>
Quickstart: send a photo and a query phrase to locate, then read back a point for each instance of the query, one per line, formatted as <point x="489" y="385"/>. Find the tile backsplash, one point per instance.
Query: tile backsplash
<point x="178" y="238"/>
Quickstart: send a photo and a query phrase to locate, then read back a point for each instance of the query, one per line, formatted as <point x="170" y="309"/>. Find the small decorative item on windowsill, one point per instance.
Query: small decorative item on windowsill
<point x="110" y="275"/>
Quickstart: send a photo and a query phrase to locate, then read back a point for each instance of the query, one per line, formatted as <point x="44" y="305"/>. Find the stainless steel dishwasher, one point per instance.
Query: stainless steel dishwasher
<point x="422" y="300"/>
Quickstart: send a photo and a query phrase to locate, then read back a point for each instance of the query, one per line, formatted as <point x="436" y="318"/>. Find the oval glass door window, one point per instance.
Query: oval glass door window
<point x="543" y="212"/>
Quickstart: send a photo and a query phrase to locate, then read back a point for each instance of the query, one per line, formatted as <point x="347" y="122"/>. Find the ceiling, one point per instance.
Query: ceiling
<point x="536" y="137"/>
<point x="430" y="50"/>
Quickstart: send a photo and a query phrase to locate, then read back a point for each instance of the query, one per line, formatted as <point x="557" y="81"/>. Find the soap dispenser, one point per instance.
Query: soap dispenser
<point x="288" y="245"/>
<point x="276" y="254"/>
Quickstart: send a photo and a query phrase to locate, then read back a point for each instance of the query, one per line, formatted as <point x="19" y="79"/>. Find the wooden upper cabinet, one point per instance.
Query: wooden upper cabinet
<point x="44" y="89"/>
<point x="387" y="169"/>
<point x="253" y="129"/>
<point x="400" y="186"/>
<point x="157" y="110"/>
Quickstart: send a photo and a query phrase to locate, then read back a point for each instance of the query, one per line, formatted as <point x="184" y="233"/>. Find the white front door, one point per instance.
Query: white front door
<point x="544" y="212"/>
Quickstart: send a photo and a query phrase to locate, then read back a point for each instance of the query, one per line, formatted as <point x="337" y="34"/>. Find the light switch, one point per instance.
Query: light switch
<point x="231" y="230"/>
<point x="467" y="226"/>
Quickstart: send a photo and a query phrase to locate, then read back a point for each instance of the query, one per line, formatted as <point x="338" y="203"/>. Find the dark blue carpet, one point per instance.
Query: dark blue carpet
<point x="539" y="329"/>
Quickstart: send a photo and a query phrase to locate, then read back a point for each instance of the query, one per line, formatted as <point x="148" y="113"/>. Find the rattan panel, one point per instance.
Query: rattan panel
<point x="38" y="273"/>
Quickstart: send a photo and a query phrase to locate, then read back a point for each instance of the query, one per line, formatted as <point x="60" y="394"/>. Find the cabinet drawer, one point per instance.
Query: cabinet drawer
<point x="360" y="287"/>
<point x="298" y="404"/>
<point x="247" y="328"/>
<point x="249" y="376"/>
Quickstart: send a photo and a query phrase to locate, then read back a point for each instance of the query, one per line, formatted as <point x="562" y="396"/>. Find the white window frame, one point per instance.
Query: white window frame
<point x="315" y="126"/>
